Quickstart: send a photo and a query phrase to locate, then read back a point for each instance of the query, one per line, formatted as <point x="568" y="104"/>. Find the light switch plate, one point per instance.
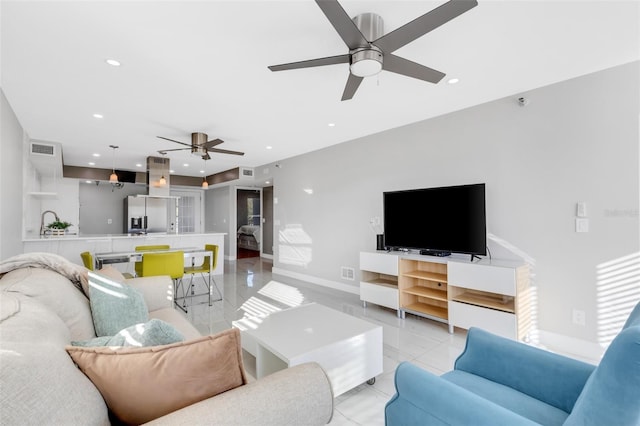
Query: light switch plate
<point x="581" y="209"/>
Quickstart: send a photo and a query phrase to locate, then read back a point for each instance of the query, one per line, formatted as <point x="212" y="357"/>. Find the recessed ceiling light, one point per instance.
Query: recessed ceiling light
<point x="88" y="181"/>
<point x="113" y="62"/>
<point x="95" y="154"/>
<point x="453" y="80"/>
<point x="172" y="171"/>
<point x="201" y="171"/>
<point x="331" y="124"/>
<point x="267" y="183"/>
<point x="98" y="116"/>
<point x="186" y="164"/>
<point x="269" y="147"/>
<point x="91" y="163"/>
<point x="138" y="165"/>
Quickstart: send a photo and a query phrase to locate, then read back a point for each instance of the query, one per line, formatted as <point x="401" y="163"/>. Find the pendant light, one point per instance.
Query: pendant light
<point x="162" y="181"/>
<point x="114" y="177"/>
<point x="205" y="184"/>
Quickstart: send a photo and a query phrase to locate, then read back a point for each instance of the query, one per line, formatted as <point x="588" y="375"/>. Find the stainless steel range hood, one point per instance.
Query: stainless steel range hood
<point x="158" y="176"/>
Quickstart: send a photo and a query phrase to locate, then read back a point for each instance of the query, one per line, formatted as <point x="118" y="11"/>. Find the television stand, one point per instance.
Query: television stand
<point x="437" y="253"/>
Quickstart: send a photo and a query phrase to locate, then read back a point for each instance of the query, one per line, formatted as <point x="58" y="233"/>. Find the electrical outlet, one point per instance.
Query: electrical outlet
<point x="582" y="224"/>
<point x="579" y="317"/>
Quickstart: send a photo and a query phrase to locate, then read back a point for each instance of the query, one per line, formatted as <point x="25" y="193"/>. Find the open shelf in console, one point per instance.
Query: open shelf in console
<point x="423" y="288"/>
<point x="484" y="299"/>
<point x="427" y="309"/>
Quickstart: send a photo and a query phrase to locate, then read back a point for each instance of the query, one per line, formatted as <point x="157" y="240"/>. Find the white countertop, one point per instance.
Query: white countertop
<point x="75" y="237"/>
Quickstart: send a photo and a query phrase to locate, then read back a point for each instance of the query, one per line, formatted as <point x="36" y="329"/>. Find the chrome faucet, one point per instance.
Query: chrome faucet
<point x="42" y="219"/>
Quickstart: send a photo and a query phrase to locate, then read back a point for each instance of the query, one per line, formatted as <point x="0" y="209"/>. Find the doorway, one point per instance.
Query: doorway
<point x="249" y="223"/>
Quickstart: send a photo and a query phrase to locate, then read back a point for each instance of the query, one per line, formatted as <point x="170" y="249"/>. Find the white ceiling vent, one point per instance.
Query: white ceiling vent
<point x="246" y="172"/>
<point x="43" y="149"/>
<point x="46" y="158"/>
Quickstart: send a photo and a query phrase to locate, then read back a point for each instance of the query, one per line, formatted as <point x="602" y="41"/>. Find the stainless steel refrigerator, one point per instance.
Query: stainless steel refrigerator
<point x="144" y="215"/>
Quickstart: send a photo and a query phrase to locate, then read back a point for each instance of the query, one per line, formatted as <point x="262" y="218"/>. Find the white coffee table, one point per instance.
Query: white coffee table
<point x="348" y="348"/>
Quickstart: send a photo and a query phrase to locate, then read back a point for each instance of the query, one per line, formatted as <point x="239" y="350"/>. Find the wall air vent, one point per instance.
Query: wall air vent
<point x="247" y="172"/>
<point x="43" y="149"/>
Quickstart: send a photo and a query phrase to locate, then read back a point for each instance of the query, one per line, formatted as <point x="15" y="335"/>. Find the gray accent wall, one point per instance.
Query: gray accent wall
<point x="99" y="203"/>
<point x="576" y="141"/>
<point x="11" y="181"/>
<point x="219" y="209"/>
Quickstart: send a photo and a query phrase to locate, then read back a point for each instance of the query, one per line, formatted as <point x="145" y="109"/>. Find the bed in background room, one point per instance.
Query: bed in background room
<point x="249" y="237"/>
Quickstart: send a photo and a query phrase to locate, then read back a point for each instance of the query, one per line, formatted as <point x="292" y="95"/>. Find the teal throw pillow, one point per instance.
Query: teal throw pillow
<point x="153" y="333"/>
<point x="114" y="305"/>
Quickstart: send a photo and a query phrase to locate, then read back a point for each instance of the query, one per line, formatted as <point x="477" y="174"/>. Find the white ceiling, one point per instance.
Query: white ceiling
<point x="202" y="67"/>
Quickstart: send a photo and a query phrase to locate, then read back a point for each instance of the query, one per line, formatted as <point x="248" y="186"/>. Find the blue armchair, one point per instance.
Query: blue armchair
<point x="497" y="381"/>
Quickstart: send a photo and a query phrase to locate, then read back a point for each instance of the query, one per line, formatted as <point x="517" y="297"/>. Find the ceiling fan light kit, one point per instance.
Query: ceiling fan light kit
<point x="366" y="62"/>
<point x="370" y="50"/>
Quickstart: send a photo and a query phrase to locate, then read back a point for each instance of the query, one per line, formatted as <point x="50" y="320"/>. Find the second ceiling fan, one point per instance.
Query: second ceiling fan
<point x="370" y="51"/>
<point x="200" y="146"/>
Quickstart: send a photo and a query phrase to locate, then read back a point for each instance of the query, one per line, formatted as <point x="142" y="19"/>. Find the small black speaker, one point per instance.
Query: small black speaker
<point x="380" y="242"/>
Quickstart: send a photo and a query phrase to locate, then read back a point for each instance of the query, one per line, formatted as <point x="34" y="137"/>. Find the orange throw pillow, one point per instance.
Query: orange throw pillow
<point x="141" y="384"/>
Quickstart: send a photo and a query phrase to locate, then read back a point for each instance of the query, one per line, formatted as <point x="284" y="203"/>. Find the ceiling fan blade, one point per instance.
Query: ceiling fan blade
<point x="343" y="24"/>
<point x="176" y="149"/>
<point x="353" y="82"/>
<point x="329" y="60"/>
<point x="171" y="140"/>
<point x="210" y="144"/>
<point x="225" y="151"/>
<point x="406" y="67"/>
<point x="423" y="24"/>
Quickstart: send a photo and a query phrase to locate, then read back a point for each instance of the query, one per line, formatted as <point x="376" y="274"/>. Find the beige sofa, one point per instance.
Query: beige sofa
<point x="42" y="311"/>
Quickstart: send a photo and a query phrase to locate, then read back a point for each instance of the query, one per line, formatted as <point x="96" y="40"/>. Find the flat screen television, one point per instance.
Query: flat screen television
<point x="437" y="221"/>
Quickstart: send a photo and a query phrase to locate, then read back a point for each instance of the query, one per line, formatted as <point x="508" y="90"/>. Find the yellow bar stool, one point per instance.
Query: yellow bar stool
<point x="207" y="267"/>
<point x="87" y="260"/>
<point x="169" y="263"/>
<point x="138" y="265"/>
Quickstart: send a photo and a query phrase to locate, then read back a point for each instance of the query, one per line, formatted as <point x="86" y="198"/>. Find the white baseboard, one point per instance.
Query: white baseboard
<point x="319" y="281"/>
<point x="583" y="350"/>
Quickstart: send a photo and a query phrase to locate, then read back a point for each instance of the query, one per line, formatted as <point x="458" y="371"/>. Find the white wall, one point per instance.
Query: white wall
<point x="576" y="141"/>
<point x="11" y="147"/>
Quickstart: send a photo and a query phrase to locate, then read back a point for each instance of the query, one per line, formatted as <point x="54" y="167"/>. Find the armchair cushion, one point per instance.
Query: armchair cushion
<point x="423" y="398"/>
<point x="141" y="384"/>
<point x="508" y="398"/>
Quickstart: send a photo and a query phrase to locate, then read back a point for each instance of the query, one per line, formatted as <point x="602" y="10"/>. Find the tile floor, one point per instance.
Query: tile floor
<point x="249" y="288"/>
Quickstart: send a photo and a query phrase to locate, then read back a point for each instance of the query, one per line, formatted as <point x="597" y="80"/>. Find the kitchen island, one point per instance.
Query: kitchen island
<point x="70" y="246"/>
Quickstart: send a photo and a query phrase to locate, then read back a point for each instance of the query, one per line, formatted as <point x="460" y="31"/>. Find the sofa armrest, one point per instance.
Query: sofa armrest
<point x="424" y="398"/>
<point x="300" y="395"/>
<point x="543" y="375"/>
<point x="157" y="291"/>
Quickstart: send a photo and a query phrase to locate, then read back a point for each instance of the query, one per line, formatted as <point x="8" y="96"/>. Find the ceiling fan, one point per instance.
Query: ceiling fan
<point x="371" y="52"/>
<point x="200" y="146"/>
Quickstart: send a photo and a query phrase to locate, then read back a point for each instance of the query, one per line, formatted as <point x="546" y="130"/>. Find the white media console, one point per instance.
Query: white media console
<point x="490" y="294"/>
